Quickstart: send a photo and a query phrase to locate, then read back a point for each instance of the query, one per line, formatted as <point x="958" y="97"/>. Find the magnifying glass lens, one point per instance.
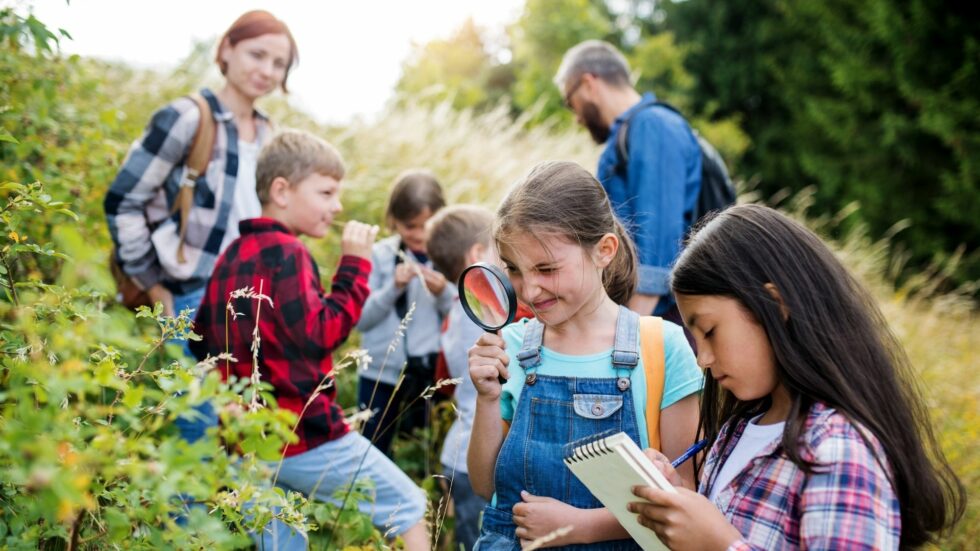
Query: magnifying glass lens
<point x="488" y="297"/>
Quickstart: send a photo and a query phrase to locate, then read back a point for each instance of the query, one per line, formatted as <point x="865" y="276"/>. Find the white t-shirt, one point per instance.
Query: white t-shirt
<point x="245" y="204"/>
<point x="753" y="440"/>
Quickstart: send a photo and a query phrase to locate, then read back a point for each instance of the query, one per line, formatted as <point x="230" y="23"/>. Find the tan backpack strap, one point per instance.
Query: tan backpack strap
<point x="652" y="350"/>
<point x="197" y="164"/>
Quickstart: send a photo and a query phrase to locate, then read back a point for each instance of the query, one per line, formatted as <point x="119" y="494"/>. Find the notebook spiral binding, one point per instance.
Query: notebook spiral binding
<point x="588" y="447"/>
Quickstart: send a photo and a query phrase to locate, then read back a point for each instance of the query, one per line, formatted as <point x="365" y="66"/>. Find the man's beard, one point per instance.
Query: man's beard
<point x="593" y="123"/>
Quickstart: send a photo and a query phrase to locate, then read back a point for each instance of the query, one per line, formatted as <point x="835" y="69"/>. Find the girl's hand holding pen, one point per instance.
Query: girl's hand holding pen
<point x="488" y="361"/>
<point x="685" y="520"/>
<point x="663" y="465"/>
<point x="668" y="467"/>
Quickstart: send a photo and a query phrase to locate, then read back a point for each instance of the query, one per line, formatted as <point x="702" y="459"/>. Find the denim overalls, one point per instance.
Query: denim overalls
<point x="551" y="412"/>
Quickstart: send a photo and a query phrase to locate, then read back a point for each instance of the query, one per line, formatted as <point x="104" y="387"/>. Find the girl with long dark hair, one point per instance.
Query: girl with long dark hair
<point x="820" y="439"/>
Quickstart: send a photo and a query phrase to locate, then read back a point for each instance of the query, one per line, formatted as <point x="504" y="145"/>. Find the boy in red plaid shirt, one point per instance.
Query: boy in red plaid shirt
<point x="298" y="183"/>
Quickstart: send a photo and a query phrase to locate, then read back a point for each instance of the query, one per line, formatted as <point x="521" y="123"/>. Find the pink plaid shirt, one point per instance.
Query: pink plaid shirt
<point x="846" y="503"/>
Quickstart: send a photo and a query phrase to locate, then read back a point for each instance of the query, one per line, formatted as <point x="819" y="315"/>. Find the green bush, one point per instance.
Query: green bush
<point x="88" y="392"/>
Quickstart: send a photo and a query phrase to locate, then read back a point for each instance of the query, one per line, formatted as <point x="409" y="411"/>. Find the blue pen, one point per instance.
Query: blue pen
<point x="698" y="446"/>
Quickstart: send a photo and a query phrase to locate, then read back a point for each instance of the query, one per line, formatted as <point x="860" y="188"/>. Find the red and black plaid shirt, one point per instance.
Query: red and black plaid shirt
<point x="298" y="331"/>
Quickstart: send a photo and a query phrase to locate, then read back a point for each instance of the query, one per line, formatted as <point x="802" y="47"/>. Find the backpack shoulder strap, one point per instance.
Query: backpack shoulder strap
<point x="196" y="164"/>
<point x="652" y="349"/>
<point x="668" y="106"/>
<point x="623" y="134"/>
<point x="201" y="147"/>
<point x="622" y="143"/>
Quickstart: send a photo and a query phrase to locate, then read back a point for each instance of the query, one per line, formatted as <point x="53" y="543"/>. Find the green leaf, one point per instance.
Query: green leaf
<point x="6" y="137"/>
<point x="134" y="396"/>
<point x="119" y="524"/>
<point x="12" y="186"/>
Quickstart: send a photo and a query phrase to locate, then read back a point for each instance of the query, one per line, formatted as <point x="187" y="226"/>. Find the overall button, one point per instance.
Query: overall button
<point x="531" y="379"/>
<point x="623" y="384"/>
<point x="597" y="409"/>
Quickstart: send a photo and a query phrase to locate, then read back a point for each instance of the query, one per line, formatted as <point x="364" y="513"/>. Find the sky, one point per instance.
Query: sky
<point x="351" y="51"/>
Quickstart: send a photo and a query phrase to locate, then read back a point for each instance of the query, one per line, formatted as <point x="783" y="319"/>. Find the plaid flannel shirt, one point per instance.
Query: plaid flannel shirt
<point x="846" y="503"/>
<point x="139" y="202"/>
<point x="298" y="331"/>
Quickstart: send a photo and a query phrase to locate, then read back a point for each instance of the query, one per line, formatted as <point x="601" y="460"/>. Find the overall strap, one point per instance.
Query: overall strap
<point x="530" y="354"/>
<point x="652" y="348"/>
<point x="624" y="354"/>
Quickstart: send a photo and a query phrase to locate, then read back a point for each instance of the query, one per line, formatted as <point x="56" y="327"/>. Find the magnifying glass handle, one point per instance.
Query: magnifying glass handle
<point x="500" y="378"/>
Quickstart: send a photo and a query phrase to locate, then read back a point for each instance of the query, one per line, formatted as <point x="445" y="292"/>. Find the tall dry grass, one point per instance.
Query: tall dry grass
<point x="478" y="156"/>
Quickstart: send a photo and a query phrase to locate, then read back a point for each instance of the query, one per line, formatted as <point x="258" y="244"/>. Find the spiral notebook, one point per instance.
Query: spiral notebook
<point x="610" y="466"/>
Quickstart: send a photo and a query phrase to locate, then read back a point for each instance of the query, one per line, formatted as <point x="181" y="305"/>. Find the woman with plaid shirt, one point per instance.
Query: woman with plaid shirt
<point x="255" y="56"/>
<point x="819" y="438"/>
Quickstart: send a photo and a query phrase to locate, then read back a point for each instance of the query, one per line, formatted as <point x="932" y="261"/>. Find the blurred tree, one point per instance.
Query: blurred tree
<point x="462" y="69"/>
<point x="869" y="100"/>
<point x="545" y="30"/>
<point x="658" y="63"/>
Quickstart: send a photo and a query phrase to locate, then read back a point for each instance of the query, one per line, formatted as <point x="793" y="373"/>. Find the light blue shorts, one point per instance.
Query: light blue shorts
<point x="398" y="503"/>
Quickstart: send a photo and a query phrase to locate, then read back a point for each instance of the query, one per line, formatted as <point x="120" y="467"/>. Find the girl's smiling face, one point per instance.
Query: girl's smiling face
<point x="556" y="277"/>
<point x="731" y="344"/>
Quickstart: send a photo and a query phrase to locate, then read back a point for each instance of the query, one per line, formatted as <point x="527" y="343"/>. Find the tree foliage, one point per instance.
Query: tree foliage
<point x="89" y="455"/>
<point x="869" y="101"/>
<point x="461" y="69"/>
<point x="539" y="38"/>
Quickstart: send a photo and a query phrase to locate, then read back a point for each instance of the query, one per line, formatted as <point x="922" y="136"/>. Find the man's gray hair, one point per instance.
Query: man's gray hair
<point x="594" y="57"/>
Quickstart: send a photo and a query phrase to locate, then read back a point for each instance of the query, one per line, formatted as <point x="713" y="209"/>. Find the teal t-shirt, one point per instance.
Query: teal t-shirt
<point x="682" y="376"/>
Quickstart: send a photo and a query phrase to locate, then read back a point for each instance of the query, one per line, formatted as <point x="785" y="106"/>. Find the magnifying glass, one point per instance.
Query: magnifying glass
<point x="487" y="297"/>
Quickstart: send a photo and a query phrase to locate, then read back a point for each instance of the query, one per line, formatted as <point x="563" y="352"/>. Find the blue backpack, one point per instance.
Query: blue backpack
<point x="717" y="191"/>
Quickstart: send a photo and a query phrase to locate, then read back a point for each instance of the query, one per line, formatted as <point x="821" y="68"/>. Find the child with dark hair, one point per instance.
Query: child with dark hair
<point x="820" y="440"/>
<point x="579" y="368"/>
<point x="402" y="358"/>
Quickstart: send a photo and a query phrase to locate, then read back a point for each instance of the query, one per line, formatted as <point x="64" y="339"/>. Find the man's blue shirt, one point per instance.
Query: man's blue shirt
<point x="660" y="188"/>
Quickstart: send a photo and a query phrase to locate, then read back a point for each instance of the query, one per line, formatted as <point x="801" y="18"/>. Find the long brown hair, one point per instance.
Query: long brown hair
<point x="562" y="198"/>
<point x="835" y="348"/>
<point x="250" y="25"/>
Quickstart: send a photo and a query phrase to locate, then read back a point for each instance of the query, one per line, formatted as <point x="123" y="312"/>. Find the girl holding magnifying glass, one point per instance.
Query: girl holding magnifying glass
<point x="571" y="372"/>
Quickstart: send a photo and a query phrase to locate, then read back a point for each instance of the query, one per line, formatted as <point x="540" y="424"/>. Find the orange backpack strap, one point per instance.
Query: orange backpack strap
<point x="197" y="164"/>
<point x="652" y="351"/>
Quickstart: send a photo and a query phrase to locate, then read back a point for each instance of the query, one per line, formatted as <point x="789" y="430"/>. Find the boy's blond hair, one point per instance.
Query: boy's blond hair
<point x="294" y="155"/>
<point x="452" y="233"/>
